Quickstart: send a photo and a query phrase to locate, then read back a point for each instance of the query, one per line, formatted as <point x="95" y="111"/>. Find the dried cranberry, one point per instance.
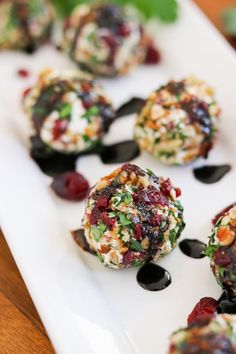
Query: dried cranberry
<point x="138" y="232"/>
<point x="24" y="73"/>
<point x="102" y="202"/>
<point x="70" y="186"/>
<point x="123" y="30"/>
<point x="156" y="220"/>
<point x="156" y="197"/>
<point x="110" y="222"/>
<point x="59" y="128"/>
<point x="203" y="310"/>
<point x="222" y="258"/>
<point x="222" y="213"/>
<point x="166" y="186"/>
<point x="94" y="216"/>
<point x="25" y="92"/>
<point x="178" y="192"/>
<point x="128" y="258"/>
<point x="152" y="55"/>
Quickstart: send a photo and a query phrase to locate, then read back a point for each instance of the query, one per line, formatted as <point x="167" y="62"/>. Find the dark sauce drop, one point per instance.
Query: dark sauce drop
<point x="192" y="248"/>
<point x="153" y="277"/>
<point x="134" y="105"/>
<point x="120" y="152"/>
<point x="81" y="241"/>
<point x="227" y="303"/>
<point x="211" y="174"/>
<point x="222" y="212"/>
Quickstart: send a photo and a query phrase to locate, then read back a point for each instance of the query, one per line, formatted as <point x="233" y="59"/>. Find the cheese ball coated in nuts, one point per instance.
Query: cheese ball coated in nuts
<point x="222" y="250"/>
<point x="25" y="24"/>
<point x="68" y="111"/>
<point x="104" y="39"/>
<point x="216" y="336"/>
<point x="132" y="216"/>
<point x="179" y="121"/>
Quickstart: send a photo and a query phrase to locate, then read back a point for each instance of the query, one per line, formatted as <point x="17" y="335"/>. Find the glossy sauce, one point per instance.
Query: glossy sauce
<point x="134" y="105"/>
<point x="153" y="277"/>
<point x="192" y="248"/>
<point x="211" y="174"/>
<point x="81" y="241"/>
<point x="53" y="163"/>
<point x="227" y="303"/>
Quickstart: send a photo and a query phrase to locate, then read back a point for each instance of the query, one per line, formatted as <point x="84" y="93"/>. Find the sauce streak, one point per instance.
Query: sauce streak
<point x="134" y="105"/>
<point x="124" y="151"/>
<point x="211" y="174"/>
<point x="192" y="248"/>
<point x="153" y="277"/>
<point x="227" y="303"/>
<point x="81" y="241"/>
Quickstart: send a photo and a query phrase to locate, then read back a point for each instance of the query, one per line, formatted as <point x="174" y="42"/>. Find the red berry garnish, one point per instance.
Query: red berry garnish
<point x="59" y="128"/>
<point x="102" y="202"/>
<point x="123" y="30"/>
<point x="178" y="192"/>
<point x="222" y="213"/>
<point x="128" y="258"/>
<point x="166" y="186"/>
<point x="138" y="232"/>
<point x="222" y="258"/>
<point x="152" y="55"/>
<point x="25" y="92"/>
<point x="23" y="73"/>
<point x="203" y="310"/>
<point x="70" y="186"/>
<point x="110" y="222"/>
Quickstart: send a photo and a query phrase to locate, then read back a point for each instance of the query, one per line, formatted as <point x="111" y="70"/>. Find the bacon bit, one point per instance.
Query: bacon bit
<point x="24" y="73"/>
<point x="225" y="236"/>
<point x="104" y="249"/>
<point x="203" y="310"/>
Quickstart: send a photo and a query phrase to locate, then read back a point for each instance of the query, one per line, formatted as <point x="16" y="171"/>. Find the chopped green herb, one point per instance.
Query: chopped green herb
<point x="172" y="237"/>
<point x="137" y="262"/>
<point x="92" y="111"/>
<point x="100" y="257"/>
<point x="123" y="218"/>
<point x="112" y="214"/>
<point x="149" y="172"/>
<point x="233" y="277"/>
<point x="121" y="198"/>
<point x="98" y="231"/>
<point x="136" y="246"/>
<point x="210" y="250"/>
<point x="65" y="110"/>
<point x="221" y="271"/>
<point x="167" y="154"/>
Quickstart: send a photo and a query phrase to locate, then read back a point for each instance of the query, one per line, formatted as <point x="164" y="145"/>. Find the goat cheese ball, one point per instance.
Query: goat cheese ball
<point x="132" y="216"/>
<point x="222" y="250"/>
<point x="25" y="24"/>
<point x="68" y="111"/>
<point x="178" y="123"/>
<point x="104" y="38"/>
<point x="216" y="336"/>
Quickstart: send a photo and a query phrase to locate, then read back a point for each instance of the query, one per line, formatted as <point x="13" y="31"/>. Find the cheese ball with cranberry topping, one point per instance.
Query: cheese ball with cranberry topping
<point x="214" y="336"/>
<point x="105" y="39"/>
<point x="222" y="250"/>
<point x="179" y="121"/>
<point x="25" y="24"/>
<point x="68" y="111"/>
<point x="132" y="216"/>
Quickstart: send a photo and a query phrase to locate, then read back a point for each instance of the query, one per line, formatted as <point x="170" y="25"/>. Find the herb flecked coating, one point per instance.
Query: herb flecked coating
<point x="132" y="216"/>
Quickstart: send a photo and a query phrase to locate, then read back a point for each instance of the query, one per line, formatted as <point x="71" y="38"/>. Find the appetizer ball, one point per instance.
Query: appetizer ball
<point x="68" y="111"/>
<point x="216" y="336"/>
<point x="104" y="38"/>
<point x="178" y="123"/>
<point x="222" y="250"/>
<point x="25" y="24"/>
<point x="132" y="216"/>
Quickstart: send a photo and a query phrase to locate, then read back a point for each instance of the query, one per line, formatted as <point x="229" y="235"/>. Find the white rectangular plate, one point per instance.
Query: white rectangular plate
<point x="86" y="308"/>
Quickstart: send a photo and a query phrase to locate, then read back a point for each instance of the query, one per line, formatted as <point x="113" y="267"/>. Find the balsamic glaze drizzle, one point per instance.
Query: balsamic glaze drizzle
<point x="192" y="248"/>
<point x="81" y="241"/>
<point x="134" y="105"/>
<point x="212" y="173"/>
<point x="53" y="163"/>
<point x="227" y="303"/>
<point x="153" y="277"/>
